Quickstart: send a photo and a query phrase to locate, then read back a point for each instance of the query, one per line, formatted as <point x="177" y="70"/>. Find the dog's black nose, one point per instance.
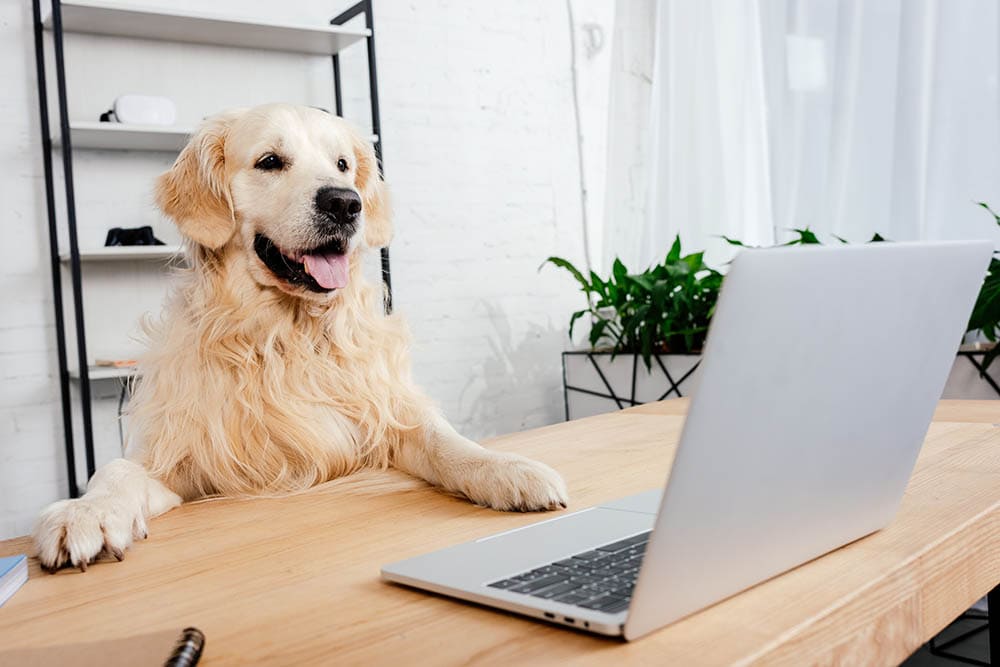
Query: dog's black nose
<point x="340" y="204"/>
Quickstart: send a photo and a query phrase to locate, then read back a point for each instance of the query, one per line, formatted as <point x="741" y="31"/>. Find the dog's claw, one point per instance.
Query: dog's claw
<point x="118" y="554"/>
<point x="82" y="566"/>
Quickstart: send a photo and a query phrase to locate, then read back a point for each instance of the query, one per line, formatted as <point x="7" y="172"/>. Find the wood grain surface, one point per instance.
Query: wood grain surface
<point x="295" y="580"/>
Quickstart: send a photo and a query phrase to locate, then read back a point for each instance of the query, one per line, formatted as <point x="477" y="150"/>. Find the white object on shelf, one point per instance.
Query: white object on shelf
<point x="105" y="372"/>
<point x="123" y="136"/>
<point x="126" y="253"/>
<point x="99" y="18"/>
<point x="144" y="110"/>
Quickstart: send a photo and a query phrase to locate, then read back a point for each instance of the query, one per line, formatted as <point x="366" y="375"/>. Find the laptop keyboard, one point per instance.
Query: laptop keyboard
<point x="601" y="579"/>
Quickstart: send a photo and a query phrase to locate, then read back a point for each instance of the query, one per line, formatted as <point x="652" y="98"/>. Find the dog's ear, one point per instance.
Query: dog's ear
<point x="195" y="192"/>
<point x="375" y="205"/>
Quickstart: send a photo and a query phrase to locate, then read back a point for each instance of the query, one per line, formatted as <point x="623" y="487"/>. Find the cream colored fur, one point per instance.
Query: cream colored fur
<point x="253" y="386"/>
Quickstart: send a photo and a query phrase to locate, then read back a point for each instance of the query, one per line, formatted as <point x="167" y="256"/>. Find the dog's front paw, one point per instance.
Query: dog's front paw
<point x="514" y="483"/>
<point x="75" y="532"/>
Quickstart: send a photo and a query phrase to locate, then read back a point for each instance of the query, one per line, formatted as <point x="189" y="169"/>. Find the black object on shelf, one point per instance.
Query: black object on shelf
<point x="76" y="283"/>
<point x="131" y="236"/>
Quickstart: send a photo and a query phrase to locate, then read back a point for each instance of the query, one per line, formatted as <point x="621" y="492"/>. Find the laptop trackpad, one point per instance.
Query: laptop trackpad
<point x="647" y="502"/>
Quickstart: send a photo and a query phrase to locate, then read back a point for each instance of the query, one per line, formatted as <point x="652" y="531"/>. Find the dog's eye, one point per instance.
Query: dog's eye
<point x="342" y="164"/>
<point x="269" y="162"/>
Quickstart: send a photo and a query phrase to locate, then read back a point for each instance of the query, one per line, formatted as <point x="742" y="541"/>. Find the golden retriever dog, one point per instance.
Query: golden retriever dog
<point x="274" y="368"/>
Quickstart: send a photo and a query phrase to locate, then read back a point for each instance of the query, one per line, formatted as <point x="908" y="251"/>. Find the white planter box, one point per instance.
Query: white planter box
<point x="594" y="384"/>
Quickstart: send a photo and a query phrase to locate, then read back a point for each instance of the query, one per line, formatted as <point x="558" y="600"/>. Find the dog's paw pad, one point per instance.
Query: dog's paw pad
<point x="514" y="483"/>
<point x="76" y="532"/>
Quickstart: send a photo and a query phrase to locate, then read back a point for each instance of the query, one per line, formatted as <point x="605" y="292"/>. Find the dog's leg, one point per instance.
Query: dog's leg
<point x="120" y="497"/>
<point x="493" y="479"/>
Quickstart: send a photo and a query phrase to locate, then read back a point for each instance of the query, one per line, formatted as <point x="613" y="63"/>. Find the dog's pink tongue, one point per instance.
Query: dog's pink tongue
<point x="330" y="271"/>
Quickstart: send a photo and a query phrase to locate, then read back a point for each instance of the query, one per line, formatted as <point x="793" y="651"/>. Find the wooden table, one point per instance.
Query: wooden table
<point x="295" y="580"/>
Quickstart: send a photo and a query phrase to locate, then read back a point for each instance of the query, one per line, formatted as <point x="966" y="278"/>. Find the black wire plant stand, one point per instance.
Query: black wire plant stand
<point x="944" y="649"/>
<point x="362" y="8"/>
<point x="674" y="384"/>
<point x="975" y="358"/>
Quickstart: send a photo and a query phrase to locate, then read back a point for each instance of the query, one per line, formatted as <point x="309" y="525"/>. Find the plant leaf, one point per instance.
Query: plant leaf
<point x="806" y="237"/>
<point x="996" y="216"/>
<point x="675" y="250"/>
<point x="735" y="242"/>
<point x="573" y="318"/>
<point x="619" y="271"/>
<point x="597" y="331"/>
<point x="566" y="264"/>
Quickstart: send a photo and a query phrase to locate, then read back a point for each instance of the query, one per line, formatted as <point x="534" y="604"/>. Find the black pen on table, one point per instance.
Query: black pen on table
<point x="187" y="650"/>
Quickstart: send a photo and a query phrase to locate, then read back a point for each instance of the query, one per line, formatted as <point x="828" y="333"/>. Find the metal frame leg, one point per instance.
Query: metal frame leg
<point x="56" y="269"/>
<point x="991" y="626"/>
<point x="74" y="249"/>
<point x="365" y="7"/>
<point x="993" y="600"/>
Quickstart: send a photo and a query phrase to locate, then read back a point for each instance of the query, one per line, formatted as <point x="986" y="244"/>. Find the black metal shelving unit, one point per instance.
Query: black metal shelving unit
<point x="54" y="24"/>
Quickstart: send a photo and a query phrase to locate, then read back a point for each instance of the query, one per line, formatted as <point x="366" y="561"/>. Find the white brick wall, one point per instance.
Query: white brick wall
<point x="479" y="148"/>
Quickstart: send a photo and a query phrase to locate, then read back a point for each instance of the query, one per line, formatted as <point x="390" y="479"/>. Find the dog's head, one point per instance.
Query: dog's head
<point x="294" y="188"/>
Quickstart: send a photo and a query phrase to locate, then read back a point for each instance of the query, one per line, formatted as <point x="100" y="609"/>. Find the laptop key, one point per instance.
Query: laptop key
<point x="596" y="602"/>
<point x="558" y="589"/>
<point x="590" y="555"/>
<point x="584" y="564"/>
<point x="610" y="600"/>
<point x="615" y="546"/>
<point x="619" y="604"/>
<point x="607" y="584"/>
<point x="538" y="584"/>
<point x="506" y="583"/>
<point x="573" y="597"/>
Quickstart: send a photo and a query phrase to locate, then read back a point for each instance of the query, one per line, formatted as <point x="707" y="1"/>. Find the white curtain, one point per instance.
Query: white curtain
<point x="883" y="116"/>
<point x="627" y="159"/>
<point x="849" y="117"/>
<point x="708" y="128"/>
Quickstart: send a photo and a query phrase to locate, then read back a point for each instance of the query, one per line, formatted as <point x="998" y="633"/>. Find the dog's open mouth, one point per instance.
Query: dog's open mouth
<point x="320" y="269"/>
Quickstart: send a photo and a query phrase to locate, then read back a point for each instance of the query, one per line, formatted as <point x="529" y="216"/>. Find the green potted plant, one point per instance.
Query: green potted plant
<point x="986" y="313"/>
<point x="975" y="373"/>
<point x="646" y="332"/>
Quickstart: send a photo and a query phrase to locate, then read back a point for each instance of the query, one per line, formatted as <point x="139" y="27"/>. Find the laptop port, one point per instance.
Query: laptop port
<point x="549" y="615"/>
<point x="569" y="620"/>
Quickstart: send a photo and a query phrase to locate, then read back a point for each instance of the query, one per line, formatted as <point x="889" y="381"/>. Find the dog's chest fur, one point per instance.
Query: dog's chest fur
<point x="249" y="396"/>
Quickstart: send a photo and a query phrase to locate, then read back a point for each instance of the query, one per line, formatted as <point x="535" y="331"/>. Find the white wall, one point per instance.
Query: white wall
<point x="479" y="143"/>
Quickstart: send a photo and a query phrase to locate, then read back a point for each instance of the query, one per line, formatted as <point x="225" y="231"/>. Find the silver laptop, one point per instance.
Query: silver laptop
<point x="821" y="373"/>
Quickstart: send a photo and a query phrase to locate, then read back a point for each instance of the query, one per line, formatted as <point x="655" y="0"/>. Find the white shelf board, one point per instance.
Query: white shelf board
<point x="104" y="372"/>
<point x="126" y="253"/>
<point x="127" y="137"/>
<point x="99" y="18"/>
<point x="124" y="137"/>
